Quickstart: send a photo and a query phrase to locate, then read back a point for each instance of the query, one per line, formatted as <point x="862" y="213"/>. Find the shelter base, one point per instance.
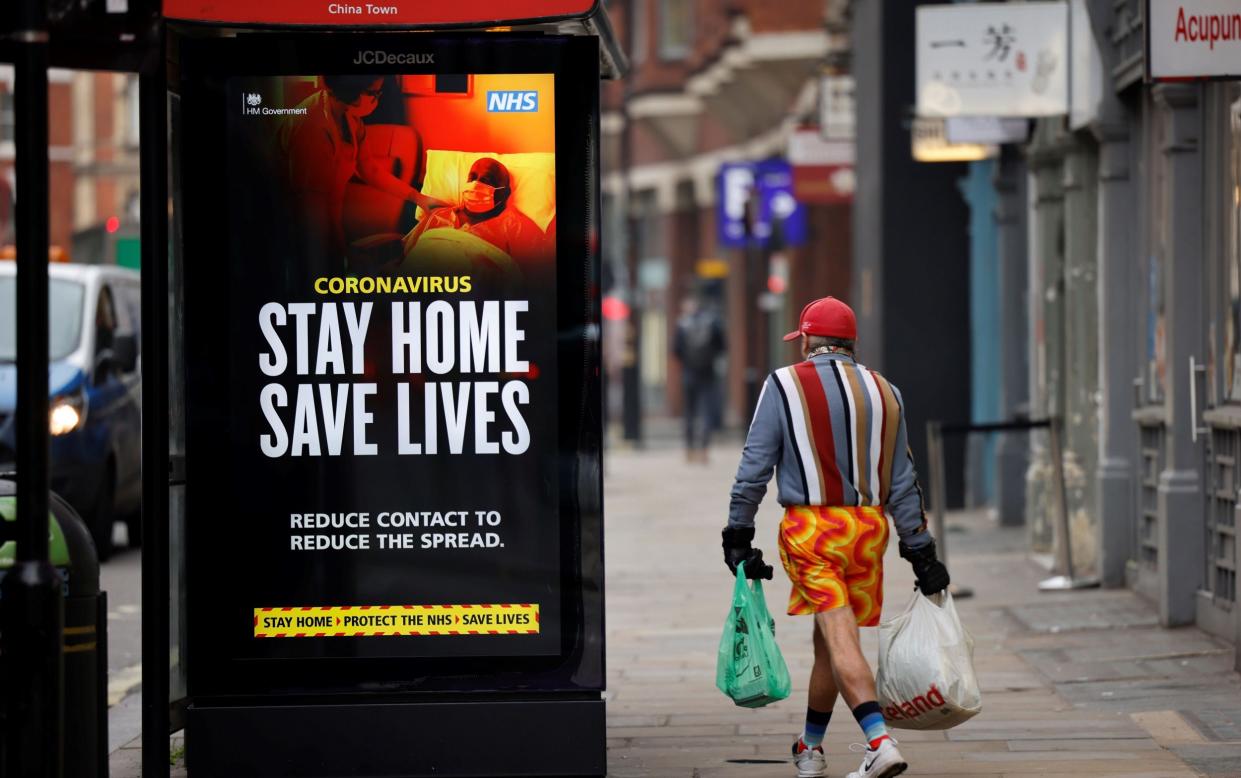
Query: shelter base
<point x="543" y="737"/>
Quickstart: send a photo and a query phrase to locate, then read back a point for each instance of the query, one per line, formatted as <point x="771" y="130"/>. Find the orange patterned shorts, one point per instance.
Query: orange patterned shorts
<point x="834" y="557"/>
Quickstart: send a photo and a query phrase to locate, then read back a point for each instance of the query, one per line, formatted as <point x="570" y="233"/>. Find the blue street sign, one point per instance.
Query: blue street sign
<point x="771" y="184"/>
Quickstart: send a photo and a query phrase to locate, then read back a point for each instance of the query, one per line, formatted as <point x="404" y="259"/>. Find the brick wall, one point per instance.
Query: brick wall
<point x="60" y="169"/>
<point x="97" y="159"/>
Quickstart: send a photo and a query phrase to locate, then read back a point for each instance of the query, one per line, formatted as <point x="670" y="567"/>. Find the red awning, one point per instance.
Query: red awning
<point x="397" y="13"/>
<point x="566" y="17"/>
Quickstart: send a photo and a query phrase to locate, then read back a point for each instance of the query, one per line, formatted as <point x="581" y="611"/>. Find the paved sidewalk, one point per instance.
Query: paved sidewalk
<point x="1079" y="683"/>
<point x="1082" y="683"/>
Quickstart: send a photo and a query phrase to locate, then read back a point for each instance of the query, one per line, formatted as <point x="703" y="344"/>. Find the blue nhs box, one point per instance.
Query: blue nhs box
<point x="512" y="101"/>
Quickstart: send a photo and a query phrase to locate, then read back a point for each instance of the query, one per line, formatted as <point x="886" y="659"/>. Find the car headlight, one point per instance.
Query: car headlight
<point x="67" y="414"/>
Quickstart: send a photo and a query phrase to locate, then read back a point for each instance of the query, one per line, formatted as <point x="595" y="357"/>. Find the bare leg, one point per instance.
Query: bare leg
<point x="857" y="684"/>
<point x="823" y="691"/>
<point x="849" y="667"/>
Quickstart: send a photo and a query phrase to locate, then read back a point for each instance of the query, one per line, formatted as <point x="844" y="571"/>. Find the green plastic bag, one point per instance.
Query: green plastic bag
<point x="750" y="668"/>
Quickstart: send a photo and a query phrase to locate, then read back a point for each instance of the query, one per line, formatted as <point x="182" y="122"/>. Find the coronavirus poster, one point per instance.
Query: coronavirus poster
<point x="401" y="347"/>
<point x="377" y="448"/>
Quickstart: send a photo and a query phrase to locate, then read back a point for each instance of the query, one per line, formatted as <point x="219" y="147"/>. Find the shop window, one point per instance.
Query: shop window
<point x="8" y="122"/>
<point x="1155" y="368"/>
<point x="650" y="237"/>
<point x="676" y="31"/>
<point x="133" y="112"/>
<point x="1221" y="511"/>
<point x="1152" y="463"/>
<point x="613" y="229"/>
<point x="133" y="206"/>
<point x="1129" y="37"/>
<point x="1223" y="450"/>
<point x="637" y="39"/>
<point x="1232" y="257"/>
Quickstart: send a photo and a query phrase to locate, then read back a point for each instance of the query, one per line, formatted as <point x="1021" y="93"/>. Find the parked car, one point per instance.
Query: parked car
<point x="94" y="391"/>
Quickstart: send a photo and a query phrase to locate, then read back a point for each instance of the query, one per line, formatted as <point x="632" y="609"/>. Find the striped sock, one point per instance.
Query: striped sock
<point x="816" y="726"/>
<point x="870" y="719"/>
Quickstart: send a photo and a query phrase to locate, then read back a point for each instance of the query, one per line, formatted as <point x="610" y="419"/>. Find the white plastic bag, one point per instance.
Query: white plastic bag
<point x="926" y="667"/>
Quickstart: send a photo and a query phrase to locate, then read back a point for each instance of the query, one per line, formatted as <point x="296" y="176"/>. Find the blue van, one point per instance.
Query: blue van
<point x="94" y="391"/>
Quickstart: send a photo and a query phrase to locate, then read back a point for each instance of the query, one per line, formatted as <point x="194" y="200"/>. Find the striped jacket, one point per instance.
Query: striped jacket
<point x="834" y="431"/>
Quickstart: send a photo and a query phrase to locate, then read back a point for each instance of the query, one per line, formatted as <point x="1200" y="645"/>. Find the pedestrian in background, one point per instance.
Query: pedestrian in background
<point x="834" y="431"/>
<point x="698" y="344"/>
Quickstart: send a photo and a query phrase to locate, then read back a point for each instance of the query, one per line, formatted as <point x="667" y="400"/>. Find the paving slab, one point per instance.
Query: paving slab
<point x="1053" y="681"/>
<point x="1075" y="684"/>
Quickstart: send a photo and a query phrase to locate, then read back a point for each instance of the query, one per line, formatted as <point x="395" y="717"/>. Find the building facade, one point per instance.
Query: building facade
<point x="912" y="253"/>
<point x="712" y="83"/>
<point x="93" y="163"/>
<point x="1132" y="326"/>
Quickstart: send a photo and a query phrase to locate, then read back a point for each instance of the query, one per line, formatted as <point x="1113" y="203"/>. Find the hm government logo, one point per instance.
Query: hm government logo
<point x="252" y="105"/>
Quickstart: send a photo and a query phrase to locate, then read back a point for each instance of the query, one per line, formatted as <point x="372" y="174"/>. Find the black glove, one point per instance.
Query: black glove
<point x="737" y="549"/>
<point x="931" y="574"/>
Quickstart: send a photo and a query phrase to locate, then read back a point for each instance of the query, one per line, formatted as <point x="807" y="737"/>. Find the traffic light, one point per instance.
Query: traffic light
<point x="109" y="243"/>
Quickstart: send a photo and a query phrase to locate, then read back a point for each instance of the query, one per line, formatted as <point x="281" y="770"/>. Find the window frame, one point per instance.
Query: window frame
<point x="639" y="36"/>
<point x="1222" y="242"/>
<point x="1154" y="256"/>
<point x="8" y="119"/>
<point x="1227" y="232"/>
<point x="680" y="49"/>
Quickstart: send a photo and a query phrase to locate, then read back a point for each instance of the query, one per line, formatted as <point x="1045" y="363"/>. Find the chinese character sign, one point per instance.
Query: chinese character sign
<point x="836" y="107"/>
<point x="993" y="59"/>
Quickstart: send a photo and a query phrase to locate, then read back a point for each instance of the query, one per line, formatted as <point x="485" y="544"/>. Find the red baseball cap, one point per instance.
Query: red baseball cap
<point x="826" y="317"/>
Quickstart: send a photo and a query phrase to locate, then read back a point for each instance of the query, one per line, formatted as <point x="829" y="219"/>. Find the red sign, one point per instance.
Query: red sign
<point x="823" y="184"/>
<point x="402" y="13"/>
<point x="822" y="169"/>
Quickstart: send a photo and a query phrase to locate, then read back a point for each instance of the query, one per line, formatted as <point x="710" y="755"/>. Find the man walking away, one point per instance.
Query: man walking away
<point x="699" y="343"/>
<point x="834" y="431"/>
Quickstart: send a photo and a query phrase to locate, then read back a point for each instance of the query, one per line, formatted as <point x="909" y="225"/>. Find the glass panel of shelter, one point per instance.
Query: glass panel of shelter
<point x="177" y="687"/>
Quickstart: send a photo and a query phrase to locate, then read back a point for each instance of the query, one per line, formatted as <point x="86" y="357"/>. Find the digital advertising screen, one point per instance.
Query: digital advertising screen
<point x="388" y="333"/>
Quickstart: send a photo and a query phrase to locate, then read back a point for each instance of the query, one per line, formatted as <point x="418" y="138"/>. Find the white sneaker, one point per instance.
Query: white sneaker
<point x="810" y="762"/>
<point x="882" y="762"/>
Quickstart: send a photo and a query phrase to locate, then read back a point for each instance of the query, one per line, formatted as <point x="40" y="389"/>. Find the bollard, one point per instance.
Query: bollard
<point x="85" y="698"/>
<point x="937" y="486"/>
<point x="938" y="499"/>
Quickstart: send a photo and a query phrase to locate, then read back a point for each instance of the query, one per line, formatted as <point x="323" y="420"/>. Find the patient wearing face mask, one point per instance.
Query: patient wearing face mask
<point x="484" y="211"/>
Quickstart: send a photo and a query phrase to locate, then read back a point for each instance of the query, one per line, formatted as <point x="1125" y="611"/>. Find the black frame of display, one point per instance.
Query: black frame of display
<point x="265" y="700"/>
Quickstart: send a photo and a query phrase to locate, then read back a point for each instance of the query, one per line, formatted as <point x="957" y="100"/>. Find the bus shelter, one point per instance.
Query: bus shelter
<point x="372" y="493"/>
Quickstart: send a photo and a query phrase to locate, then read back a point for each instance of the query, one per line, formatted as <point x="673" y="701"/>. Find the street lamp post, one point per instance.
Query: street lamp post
<point x="631" y="360"/>
<point x="153" y="130"/>
<point x="754" y="316"/>
<point x="31" y="608"/>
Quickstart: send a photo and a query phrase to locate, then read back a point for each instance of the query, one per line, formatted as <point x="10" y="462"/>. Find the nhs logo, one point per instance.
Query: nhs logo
<point x="512" y="101"/>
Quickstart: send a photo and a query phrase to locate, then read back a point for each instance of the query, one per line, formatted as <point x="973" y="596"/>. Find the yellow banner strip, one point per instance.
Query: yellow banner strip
<point x="396" y="620"/>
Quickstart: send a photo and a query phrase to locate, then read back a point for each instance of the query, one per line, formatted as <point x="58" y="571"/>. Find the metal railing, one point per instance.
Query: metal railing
<point x="1066" y="577"/>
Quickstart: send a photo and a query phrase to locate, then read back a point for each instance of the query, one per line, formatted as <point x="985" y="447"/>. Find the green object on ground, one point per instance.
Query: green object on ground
<point x="750" y="668"/>
<point x="58" y="552"/>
